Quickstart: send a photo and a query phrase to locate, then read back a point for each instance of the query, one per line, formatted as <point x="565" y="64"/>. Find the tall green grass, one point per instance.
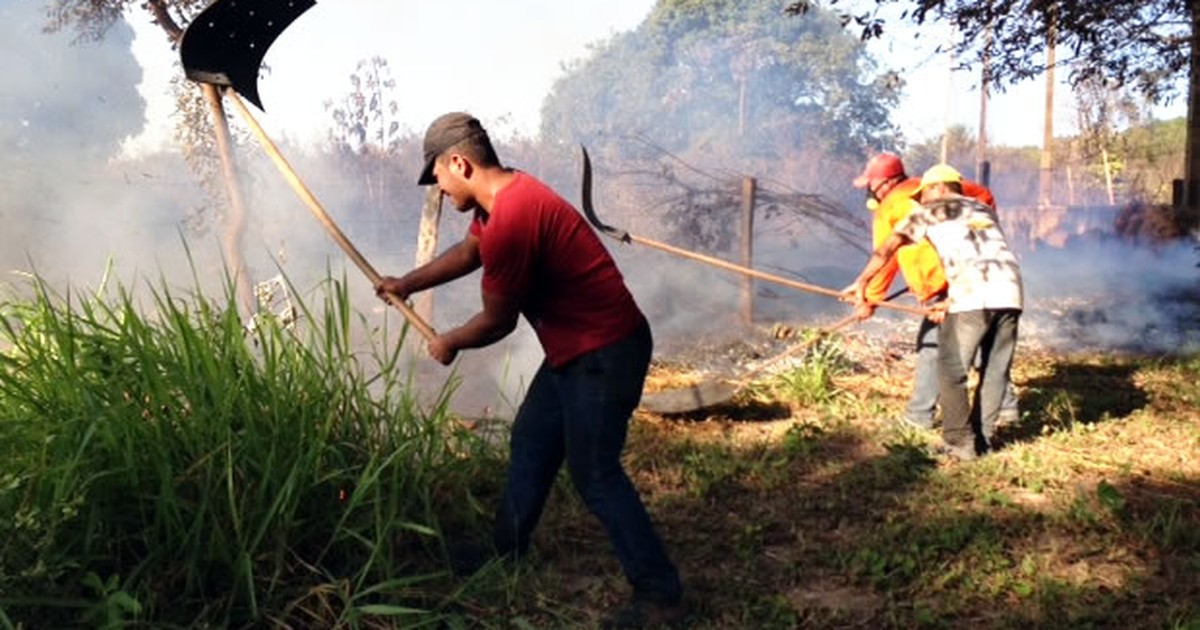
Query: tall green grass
<point x="167" y="465"/>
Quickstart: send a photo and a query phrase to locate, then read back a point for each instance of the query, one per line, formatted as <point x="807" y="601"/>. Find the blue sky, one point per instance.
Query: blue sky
<point x="499" y="59"/>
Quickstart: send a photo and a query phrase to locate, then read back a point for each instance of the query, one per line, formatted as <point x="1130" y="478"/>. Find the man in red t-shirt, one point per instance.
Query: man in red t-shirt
<point x="541" y="260"/>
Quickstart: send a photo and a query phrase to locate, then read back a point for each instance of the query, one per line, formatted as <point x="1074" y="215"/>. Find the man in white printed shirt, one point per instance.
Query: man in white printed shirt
<point x="981" y="313"/>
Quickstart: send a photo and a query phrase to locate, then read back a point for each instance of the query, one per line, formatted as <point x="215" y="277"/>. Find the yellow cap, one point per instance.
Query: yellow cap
<point x="938" y="174"/>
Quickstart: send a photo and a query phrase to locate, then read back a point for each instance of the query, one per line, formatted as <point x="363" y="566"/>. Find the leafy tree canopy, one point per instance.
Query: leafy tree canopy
<point x="1143" y="44"/>
<point x="91" y="19"/>
<point x="725" y="73"/>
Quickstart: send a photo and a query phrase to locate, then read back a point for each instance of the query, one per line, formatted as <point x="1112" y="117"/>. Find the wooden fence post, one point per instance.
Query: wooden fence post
<point x="749" y="186"/>
<point x="427" y="240"/>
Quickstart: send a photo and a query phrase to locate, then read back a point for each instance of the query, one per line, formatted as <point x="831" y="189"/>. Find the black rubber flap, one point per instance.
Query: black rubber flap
<point x="226" y="43"/>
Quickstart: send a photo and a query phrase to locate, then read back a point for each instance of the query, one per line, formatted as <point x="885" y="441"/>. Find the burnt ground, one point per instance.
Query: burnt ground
<point x="823" y="512"/>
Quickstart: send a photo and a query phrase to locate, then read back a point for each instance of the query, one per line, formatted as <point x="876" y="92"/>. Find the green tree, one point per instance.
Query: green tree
<point x="1142" y="44"/>
<point x="1147" y="45"/>
<point x="960" y="144"/>
<point x="701" y="75"/>
<point x="1103" y="110"/>
<point x="703" y="92"/>
<point x="1152" y="155"/>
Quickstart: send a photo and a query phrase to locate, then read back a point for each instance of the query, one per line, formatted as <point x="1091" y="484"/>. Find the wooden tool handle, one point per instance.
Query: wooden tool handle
<point x="762" y="275"/>
<point x="319" y="212"/>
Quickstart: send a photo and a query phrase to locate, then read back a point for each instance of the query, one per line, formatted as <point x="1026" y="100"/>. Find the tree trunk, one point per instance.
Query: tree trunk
<point x="235" y="221"/>
<point x="1047" y="167"/>
<point x="1189" y="215"/>
<point x="235" y="225"/>
<point x="1108" y="184"/>
<point x="427" y="240"/>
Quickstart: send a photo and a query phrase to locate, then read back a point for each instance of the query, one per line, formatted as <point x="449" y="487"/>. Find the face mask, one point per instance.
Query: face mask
<point x="872" y="202"/>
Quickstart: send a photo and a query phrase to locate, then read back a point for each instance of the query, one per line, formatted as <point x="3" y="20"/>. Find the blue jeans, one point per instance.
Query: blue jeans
<point x="922" y="405"/>
<point x="993" y="334"/>
<point x="923" y="402"/>
<point x="580" y="412"/>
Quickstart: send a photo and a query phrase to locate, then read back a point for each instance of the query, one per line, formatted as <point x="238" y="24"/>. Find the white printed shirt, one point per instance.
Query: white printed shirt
<point x="980" y="268"/>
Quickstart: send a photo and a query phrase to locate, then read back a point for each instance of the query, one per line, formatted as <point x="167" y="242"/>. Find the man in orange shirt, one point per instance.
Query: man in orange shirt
<point x="890" y="197"/>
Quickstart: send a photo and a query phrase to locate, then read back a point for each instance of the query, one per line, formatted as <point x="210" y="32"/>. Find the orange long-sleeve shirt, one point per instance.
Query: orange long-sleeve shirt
<point x="918" y="262"/>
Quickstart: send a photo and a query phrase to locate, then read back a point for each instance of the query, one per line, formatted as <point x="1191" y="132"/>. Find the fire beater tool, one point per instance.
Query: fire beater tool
<point x="224" y="46"/>
<point x="589" y="210"/>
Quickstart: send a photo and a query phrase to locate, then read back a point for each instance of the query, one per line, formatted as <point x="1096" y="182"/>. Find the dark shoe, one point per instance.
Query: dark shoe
<point x="645" y="614"/>
<point x="962" y="453"/>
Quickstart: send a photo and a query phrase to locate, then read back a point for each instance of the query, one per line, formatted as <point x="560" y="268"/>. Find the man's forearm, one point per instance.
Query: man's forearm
<point x="452" y="264"/>
<point x="874" y="265"/>
<point x="479" y="331"/>
<point x="879" y="258"/>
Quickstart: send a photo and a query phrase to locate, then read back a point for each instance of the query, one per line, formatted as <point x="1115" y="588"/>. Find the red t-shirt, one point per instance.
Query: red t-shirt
<point x="537" y="248"/>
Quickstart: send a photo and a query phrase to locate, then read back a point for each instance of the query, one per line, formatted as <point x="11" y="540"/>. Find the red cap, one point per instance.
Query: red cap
<point x="880" y="167"/>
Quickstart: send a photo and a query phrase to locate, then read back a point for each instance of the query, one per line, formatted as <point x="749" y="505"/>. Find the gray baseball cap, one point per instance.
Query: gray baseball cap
<point x="443" y="133"/>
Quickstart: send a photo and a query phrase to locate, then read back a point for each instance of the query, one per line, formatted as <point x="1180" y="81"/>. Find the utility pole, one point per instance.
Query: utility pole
<point x="1047" y="167"/>
<point x="983" y="169"/>
<point x="947" y="115"/>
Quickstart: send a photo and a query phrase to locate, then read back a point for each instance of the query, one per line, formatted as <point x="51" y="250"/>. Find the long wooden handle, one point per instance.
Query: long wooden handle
<point x="319" y="212"/>
<point x="819" y="335"/>
<point x="762" y="275"/>
<point x="589" y="211"/>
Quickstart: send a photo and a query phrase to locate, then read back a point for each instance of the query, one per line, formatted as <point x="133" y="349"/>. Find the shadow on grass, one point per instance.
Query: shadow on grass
<point x="747" y="525"/>
<point x="837" y="524"/>
<point x="1073" y="394"/>
<point x="1118" y="555"/>
<point x="771" y="557"/>
<point x="821" y="528"/>
<point x="883" y="544"/>
<point x="1163" y="518"/>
